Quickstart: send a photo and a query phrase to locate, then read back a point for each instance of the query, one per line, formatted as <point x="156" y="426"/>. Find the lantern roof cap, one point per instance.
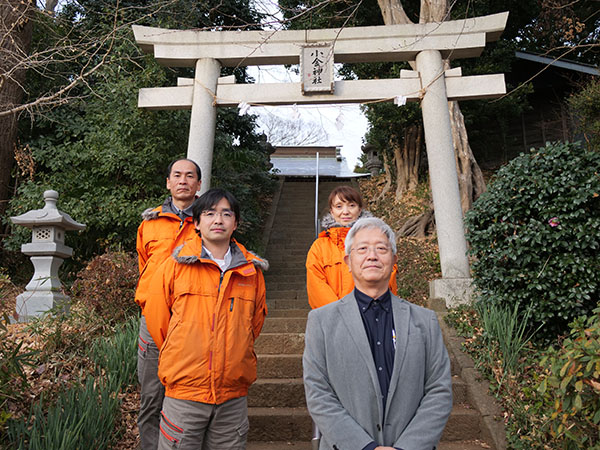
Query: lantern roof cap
<point x="48" y="215"/>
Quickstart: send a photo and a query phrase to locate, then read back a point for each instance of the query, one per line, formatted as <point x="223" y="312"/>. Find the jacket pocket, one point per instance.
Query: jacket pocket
<point x="142" y="346"/>
<point x="242" y="429"/>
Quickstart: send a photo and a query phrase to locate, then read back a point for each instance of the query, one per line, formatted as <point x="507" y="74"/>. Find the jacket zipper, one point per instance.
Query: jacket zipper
<point x="212" y="329"/>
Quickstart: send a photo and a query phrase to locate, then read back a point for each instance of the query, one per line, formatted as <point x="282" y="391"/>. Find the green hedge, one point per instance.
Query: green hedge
<point x="535" y="236"/>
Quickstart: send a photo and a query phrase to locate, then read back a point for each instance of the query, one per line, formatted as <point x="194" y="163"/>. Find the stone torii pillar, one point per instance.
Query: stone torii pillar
<point x="444" y="182"/>
<point x="427" y="44"/>
<point x="204" y="116"/>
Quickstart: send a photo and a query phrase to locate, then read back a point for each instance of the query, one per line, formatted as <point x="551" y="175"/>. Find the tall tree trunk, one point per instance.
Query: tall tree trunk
<point x="15" y="37"/>
<point x="393" y="12"/>
<point x="470" y="177"/>
<point x="407" y="157"/>
<point x="387" y="168"/>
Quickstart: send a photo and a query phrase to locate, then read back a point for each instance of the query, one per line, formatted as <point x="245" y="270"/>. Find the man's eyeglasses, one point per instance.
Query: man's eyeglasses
<point x="379" y="249"/>
<point x="211" y="214"/>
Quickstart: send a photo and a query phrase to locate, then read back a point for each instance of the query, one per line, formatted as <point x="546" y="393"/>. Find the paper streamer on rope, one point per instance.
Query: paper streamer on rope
<point x="339" y="121"/>
<point x="243" y="107"/>
<point x="400" y="100"/>
<point x="295" y="112"/>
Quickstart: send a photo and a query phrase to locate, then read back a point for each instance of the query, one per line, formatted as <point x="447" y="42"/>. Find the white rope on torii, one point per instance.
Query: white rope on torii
<point x="427" y="44"/>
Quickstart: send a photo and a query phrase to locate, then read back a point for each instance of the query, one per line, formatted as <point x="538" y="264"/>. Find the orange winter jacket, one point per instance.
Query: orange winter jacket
<point x="158" y="234"/>
<point x="328" y="278"/>
<point x="205" y="322"/>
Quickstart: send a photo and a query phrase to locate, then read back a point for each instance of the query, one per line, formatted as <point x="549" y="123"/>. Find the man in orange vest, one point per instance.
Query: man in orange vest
<point x="206" y="307"/>
<point x="162" y="229"/>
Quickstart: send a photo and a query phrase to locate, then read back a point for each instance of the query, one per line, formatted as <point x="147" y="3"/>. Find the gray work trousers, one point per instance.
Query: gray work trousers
<point x="152" y="390"/>
<point x="189" y="425"/>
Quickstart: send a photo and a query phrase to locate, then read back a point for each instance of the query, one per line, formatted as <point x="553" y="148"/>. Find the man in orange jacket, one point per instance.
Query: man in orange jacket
<point x="206" y="306"/>
<point x="162" y="229"/>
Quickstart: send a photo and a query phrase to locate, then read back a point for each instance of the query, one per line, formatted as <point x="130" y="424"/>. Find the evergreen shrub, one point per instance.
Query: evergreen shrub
<point x="535" y="236"/>
<point x="571" y="391"/>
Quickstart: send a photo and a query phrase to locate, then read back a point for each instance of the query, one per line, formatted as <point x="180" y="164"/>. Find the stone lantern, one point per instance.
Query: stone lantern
<point x="374" y="164"/>
<point x="47" y="251"/>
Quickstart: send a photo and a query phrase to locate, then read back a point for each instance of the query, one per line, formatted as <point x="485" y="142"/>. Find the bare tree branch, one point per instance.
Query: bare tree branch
<point x="282" y="132"/>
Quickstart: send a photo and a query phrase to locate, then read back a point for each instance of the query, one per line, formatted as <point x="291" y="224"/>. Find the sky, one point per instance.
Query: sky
<point x="345" y="124"/>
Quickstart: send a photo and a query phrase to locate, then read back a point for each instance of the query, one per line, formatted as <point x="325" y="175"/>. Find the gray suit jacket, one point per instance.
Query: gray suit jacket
<point x="342" y="389"/>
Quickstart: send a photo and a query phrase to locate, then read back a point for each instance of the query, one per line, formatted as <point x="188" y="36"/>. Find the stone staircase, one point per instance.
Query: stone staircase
<point x="277" y="407"/>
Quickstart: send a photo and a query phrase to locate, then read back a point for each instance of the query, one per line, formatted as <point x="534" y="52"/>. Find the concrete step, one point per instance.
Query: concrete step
<point x="279" y="344"/>
<point x="294" y="424"/>
<point x="280" y="254"/>
<point x="274" y="303"/>
<point x="277" y="392"/>
<point x="292" y="237"/>
<point x="459" y="390"/>
<point x="475" y="444"/>
<point x="293" y="233"/>
<point x="289" y="392"/>
<point x="284" y="324"/>
<point x="296" y="186"/>
<point x="290" y="294"/>
<point x="454" y="365"/>
<point x="298" y="285"/>
<point x="296" y="275"/>
<point x="288" y="272"/>
<point x="279" y="366"/>
<point x="301" y="216"/>
<point x="289" y="313"/>
<point x="277" y="255"/>
<point x="289" y="244"/>
<point x="286" y="236"/>
<point x="298" y="215"/>
<point x="279" y="424"/>
<point x="287" y="293"/>
<point x="296" y="263"/>
<point x="306" y="445"/>
<point x="290" y="198"/>
<point x="463" y="424"/>
<point x="296" y="218"/>
<point x="279" y="445"/>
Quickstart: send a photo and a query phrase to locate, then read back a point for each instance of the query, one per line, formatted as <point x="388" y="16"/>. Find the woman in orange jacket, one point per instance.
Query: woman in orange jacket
<point x="327" y="276"/>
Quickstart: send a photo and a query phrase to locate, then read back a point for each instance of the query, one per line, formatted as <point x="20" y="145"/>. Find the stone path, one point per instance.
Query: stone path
<point x="277" y="408"/>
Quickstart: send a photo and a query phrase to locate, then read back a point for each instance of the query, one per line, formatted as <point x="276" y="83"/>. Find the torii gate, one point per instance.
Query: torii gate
<point x="428" y="44"/>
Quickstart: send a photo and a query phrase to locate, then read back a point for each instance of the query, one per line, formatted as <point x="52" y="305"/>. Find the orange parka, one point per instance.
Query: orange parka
<point x="328" y="278"/>
<point x="158" y="234"/>
<point x="205" y="322"/>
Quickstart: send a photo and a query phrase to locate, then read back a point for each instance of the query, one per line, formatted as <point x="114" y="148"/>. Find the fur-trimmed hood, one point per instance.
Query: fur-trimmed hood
<point x="166" y="207"/>
<point x="151" y="213"/>
<point x="328" y="221"/>
<point x="187" y="253"/>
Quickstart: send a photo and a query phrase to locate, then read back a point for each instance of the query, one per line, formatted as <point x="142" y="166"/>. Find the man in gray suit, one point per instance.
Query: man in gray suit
<point x="376" y="372"/>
